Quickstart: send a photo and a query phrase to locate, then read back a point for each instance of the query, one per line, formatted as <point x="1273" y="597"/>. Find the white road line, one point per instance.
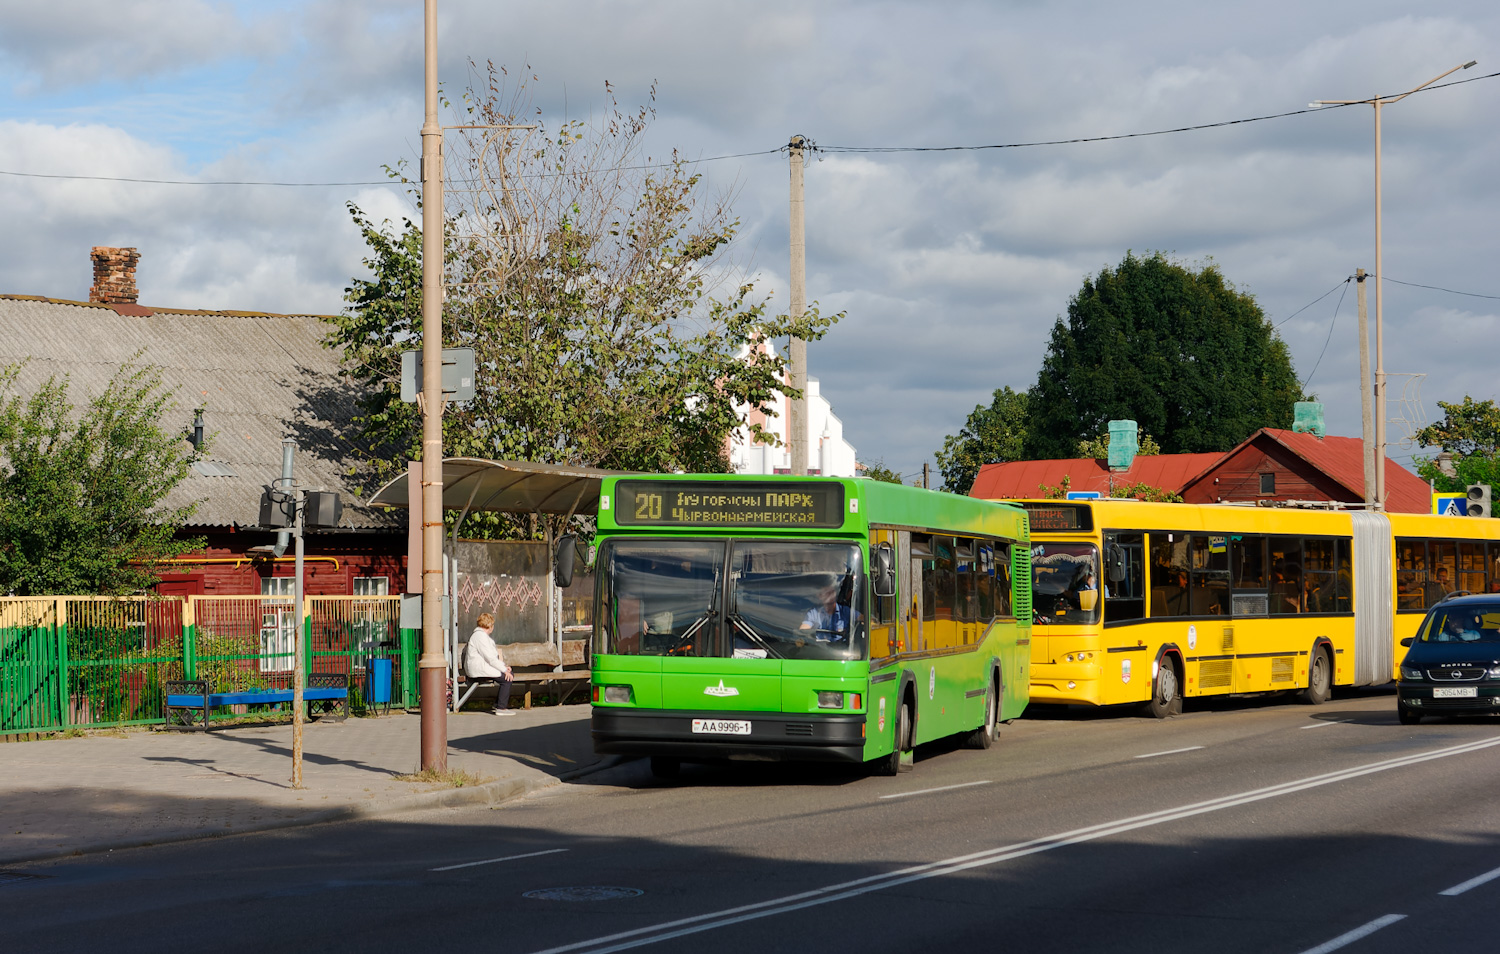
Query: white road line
<point x="1319" y="725"/>
<point x="492" y="861"/>
<point x="1354" y="935"/>
<point x="1152" y="755"/>
<point x="651" y="934"/>
<point x="928" y="791"/>
<point x="1471" y="883"/>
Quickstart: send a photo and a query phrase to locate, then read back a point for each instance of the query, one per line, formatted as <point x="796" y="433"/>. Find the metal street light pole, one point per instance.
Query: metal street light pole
<point x="797" y="424"/>
<point x="432" y="666"/>
<point x="1380" y="410"/>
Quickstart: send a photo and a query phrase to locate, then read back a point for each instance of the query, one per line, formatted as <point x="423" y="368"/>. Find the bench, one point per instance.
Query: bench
<point x="190" y="705"/>
<point x="537" y="663"/>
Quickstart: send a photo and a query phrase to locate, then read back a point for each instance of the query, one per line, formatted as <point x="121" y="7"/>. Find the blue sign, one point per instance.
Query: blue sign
<point x="1084" y="495"/>
<point x="1450" y="505"/>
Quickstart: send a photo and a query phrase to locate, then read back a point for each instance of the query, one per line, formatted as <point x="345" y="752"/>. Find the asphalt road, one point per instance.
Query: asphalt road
<point x="1244" y="827"/>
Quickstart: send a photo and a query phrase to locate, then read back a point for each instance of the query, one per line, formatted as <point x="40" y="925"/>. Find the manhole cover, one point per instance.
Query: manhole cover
<point x="590" y="893"/>
<point x="11" y="877"/>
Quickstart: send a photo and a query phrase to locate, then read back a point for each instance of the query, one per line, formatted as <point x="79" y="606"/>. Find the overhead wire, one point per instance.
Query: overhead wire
<point x="1451" y="291"/>
<point x="1334" y="321"/>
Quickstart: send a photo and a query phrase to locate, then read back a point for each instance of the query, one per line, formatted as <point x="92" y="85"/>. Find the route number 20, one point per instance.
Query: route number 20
<point x="648" y="507"/>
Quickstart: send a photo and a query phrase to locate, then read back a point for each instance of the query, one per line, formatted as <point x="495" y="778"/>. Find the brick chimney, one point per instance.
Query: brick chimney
<point x="114" y="275"/>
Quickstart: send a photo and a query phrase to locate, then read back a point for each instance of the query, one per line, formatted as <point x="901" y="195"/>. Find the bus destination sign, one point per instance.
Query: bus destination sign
<point x="1059" y="518"/>
<point x="682" y="503"/>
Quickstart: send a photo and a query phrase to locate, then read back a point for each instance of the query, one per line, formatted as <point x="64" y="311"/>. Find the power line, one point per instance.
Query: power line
<point x="1331" y="323"/>
<point x="1299" y="311"/>
<point x="1450" y="291"/>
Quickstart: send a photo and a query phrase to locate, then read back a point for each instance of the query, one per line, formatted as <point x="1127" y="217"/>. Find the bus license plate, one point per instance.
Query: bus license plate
<point x="1454" y="692"/>
<point x="721" y="726"/>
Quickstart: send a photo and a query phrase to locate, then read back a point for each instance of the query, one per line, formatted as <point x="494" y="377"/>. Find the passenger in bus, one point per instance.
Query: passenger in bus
<point x="1435" y="589"/>
<point x="1284" y="595"/>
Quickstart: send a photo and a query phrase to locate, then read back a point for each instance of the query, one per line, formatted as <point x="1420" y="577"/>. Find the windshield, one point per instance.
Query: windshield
<point x="783" y="600"/>
<point x="1064" y="582"/>
<point x="1463" y="624"/>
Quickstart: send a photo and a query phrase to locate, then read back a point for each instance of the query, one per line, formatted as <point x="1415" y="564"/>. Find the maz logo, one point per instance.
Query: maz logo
<point x="721" y="690"/>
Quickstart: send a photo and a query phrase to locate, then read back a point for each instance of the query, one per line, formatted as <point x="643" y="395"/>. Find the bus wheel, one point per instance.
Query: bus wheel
<point x="1166" y="695"/>
<point x="893" y="764"/>
<point x="984" y="736"/>
<point x="1319" y="679"/>
<point x="664" y="767"/>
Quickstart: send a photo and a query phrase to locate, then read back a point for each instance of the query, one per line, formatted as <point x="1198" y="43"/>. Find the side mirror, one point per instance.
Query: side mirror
<point x="883" y="571"/>
<point x="1114" y="560"/>
<point x="1406" y="641"/>
<point x="562" y="564"/>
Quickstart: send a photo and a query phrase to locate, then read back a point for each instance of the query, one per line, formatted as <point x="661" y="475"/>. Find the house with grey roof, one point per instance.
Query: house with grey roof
<point x="258" y="379"/>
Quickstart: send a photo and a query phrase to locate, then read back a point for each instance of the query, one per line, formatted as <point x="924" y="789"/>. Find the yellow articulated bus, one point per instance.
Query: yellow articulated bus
<point x="1149" y="603"/>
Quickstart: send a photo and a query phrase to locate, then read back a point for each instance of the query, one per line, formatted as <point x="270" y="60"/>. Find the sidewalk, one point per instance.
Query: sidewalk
<point x="69" y="796"/>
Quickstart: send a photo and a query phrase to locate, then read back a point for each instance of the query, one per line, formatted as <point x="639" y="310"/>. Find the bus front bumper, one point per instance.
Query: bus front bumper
<point x="773" y="736"/>
<point x="1072" y="683"/>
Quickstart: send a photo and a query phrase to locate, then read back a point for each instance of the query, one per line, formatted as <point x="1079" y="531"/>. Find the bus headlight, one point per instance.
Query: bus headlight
<point x="616" y="693"/>
<point x="830" y="700"/>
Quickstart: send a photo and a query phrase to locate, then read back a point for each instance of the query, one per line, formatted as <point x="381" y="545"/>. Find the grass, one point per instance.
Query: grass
<point x="452" y="778"/>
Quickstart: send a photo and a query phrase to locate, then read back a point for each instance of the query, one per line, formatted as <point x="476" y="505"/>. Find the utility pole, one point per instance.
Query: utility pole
<point x="1364" y="391"/>
<point x="432" y="666"/>
<point x="926" y="476"/>
<point x="797" y="417"/>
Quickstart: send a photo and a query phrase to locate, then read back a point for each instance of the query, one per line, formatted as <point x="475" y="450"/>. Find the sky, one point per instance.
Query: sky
<point x="951" y="266"/>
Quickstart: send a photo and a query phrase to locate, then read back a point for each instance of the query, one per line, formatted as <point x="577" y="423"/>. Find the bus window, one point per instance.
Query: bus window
<point x="1319" y="576"/>
<point x="1065" y="582"/>
<point x="796" y="600"/>
<point x="1343" y="591"/>
<point x="985" y="582"/>
<point x="1411" y="572"/>
<point x="1249" y="562"/>
<point x="661" y="597"/>
<point x="944" y="590"/>
<point x="1286" y="575"/>
<point x="1003" y="604"/>
<point x="1442" y="566"/>
<point x="1169" y="575"/>
<point x="967" y="604"/>
<point x="883" y="609"/>
<point x="1471" y="566"/>
<point x="1125" y="599"/>
<point x="1210" y="577"/>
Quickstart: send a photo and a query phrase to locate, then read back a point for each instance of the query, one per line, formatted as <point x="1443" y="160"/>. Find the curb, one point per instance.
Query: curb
<point x="491" y="794"/>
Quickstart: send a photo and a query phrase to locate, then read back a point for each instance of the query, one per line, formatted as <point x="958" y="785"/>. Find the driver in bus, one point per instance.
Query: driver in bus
<point x="829" y="620"/>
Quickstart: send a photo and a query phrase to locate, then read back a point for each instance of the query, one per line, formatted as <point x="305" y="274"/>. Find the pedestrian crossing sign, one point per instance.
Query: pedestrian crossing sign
<point x="1450" y="505"/>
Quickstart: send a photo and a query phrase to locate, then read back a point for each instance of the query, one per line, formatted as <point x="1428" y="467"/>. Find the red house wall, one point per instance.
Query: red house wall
<point x="1237" y="478"/>
<point x="331" y="562"/>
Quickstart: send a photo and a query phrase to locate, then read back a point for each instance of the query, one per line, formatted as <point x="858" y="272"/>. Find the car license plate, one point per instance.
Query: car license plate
<point x="721" y="726"/>
<point x="1454" y="692"/>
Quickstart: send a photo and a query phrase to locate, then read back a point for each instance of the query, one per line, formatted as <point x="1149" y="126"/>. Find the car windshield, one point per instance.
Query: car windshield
<point x="1463" y="623"/>
<point x="1064" y="582"/>
<point x="783" y="599"/>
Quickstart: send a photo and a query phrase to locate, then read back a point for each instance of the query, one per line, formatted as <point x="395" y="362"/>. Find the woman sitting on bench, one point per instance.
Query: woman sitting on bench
<point x="483" y="662"/>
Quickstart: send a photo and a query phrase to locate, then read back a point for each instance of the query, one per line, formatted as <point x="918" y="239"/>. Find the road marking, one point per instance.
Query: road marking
<point x="1354" y="935"/>
<point x="1471" y="883"/>
<point x="1319" y="725"/>
<point x="652" y="934"/>
<point x="928" y="791"/>
<point x="1152" y="755"/>
<point x="492" y="861"/>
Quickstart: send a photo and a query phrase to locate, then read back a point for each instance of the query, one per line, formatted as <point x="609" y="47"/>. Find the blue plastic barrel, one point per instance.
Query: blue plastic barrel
<point x="379" y="690"/>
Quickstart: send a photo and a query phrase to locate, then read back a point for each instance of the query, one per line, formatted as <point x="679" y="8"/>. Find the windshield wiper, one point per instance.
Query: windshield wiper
<point x="753" y="636"/>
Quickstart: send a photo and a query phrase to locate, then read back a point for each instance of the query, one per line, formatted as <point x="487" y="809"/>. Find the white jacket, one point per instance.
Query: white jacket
<point x="482" y="657"/>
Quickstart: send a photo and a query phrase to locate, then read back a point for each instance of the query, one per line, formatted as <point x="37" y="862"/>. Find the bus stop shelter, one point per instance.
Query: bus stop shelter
<point x="472" y="485"/>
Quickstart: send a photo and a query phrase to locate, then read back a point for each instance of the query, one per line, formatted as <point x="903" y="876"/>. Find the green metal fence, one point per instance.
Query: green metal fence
<point x="80" y="662"/>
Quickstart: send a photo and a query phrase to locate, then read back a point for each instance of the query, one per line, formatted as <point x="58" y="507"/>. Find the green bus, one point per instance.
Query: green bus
<point x="804" y="618"/>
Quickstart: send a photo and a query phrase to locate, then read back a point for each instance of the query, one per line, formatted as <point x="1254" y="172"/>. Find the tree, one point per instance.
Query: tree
<point x="589" y="281"/>
<point x="877" y="470"/>
<point x="1098" y="448"/>
<point x="1178" y="350"/>
<point x="990" y="435"/>
<point x="81" y="493"/>
<point x="1470" y="432"/>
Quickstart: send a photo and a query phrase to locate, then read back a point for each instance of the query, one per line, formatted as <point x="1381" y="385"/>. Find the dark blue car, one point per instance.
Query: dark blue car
<point x="1452" y="665"/>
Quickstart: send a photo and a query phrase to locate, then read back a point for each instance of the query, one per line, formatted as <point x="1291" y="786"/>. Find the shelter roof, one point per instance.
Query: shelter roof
<point x="509" y="485"/>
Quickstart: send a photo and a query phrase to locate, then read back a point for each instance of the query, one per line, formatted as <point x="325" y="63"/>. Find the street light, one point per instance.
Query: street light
<point x="1378" y="102"/>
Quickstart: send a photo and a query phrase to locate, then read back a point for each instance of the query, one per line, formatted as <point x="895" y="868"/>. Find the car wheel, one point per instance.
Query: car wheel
<point x="1319" y="679"/>
<point x="1407" y="715"/>
<point x="1166" y="692"/>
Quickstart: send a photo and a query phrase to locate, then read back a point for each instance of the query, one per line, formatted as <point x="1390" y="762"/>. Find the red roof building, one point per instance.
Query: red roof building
<point x="1271" y="464"/>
